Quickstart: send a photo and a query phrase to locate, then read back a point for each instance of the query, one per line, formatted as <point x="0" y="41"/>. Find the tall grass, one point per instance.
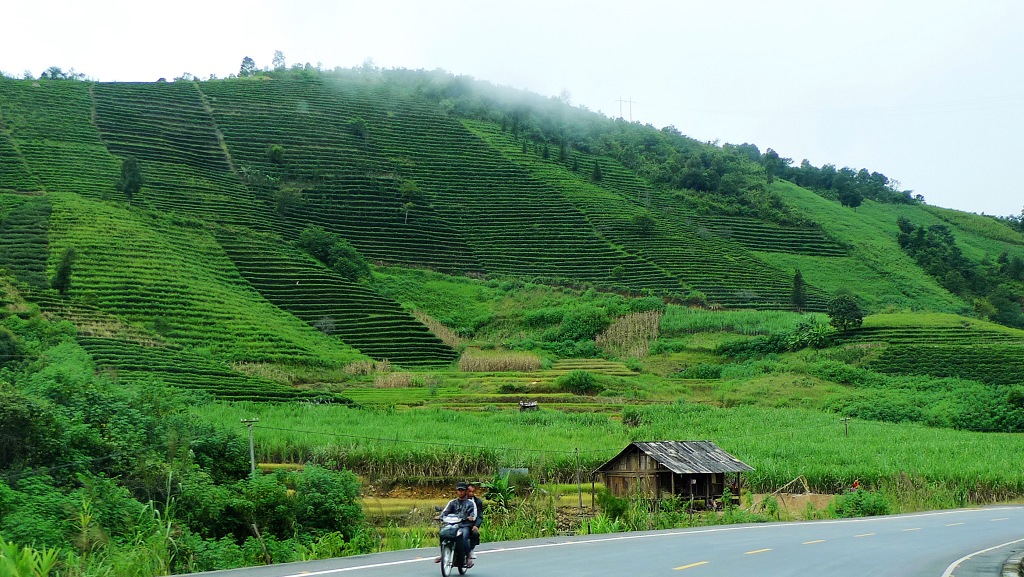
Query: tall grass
<point x="781" y="444"/>
<point x="447" y="336"/>
<point x="631" y="335"/>
<point x="478" y="361"/>
<point x="679" y="320"/>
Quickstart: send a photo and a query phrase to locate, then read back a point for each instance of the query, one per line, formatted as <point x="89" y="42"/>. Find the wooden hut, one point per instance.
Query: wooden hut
<point x="694" y="470"/>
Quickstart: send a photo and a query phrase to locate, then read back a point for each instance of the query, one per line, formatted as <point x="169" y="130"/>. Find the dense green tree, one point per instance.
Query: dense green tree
<point x="317" y="242"/>
<point x="851" y="197"/>
<point x="346" y="261"/>
<point x="596" y="175"/>
<point x="131" y="180"/>
<point x="844" y="312"/>
<point x="248" y="67"/>
<point x="61" y="280"/>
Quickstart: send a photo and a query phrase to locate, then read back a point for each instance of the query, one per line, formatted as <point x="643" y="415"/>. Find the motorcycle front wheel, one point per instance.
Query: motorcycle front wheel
<point x="447" y="558"/>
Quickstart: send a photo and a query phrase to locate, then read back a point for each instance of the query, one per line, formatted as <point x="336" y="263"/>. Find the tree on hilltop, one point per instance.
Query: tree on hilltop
<point x="278" y="61"/>
<point x="248" y="67"/>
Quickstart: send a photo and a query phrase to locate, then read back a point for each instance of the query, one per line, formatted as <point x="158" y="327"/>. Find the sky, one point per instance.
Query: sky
<point x="928" y="92"/>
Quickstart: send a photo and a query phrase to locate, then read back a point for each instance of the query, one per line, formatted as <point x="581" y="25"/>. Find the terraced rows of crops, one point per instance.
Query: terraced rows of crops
<point x="130" y="362"/>
<point x="180" y="282"/>
<point x="515" y="223"/>
<point x="348" y="185"/>
<point x="185" y="168"/>
<point x="377" y="326"/>
<point x="758" y="235"/>
<point x="16" y="175"/>
<point x="50" y="124"/>
<point x="722" y="270"/>
<point x="930" y="335"/>
<point x="998" y="364"/>
<point x="23" y="238"/>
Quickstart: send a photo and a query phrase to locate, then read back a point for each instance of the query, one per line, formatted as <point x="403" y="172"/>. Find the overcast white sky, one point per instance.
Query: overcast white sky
<point x="928" y="92"/>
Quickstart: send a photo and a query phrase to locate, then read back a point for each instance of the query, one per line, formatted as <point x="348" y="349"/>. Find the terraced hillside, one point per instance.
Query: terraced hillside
<point x="943" y="346"/>
<point x="178" y="282"/>
<point x="470" y="210"/>
<point x="186" y="170"/>
<point x="363" y="319"/>
<point x="332" y="157"/>
<point x="54" y="138"/>
<point x="699" y="249"/>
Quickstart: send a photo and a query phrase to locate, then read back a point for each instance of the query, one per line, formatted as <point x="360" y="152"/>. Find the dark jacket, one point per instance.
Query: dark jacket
<point x="479" y="511"/>
<point x="465" y="508"/>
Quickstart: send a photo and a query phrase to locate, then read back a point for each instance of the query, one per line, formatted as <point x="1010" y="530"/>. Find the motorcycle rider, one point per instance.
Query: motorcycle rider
<point x="464" y="507"/>
<point x="474" y="537"/>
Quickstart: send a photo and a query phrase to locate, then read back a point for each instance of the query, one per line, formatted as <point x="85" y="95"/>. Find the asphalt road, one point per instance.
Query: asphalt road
<point x="959" y="543"/>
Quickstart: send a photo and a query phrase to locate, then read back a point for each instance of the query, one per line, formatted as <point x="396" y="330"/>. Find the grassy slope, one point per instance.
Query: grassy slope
<point x="881" y="275"/>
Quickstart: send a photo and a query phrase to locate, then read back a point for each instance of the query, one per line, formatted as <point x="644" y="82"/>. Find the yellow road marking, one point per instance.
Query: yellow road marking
<point x="813" y="542"/>
<point x="758" y="551"/>
<point x="698" y="563"/>
<point x="864" y="535"/>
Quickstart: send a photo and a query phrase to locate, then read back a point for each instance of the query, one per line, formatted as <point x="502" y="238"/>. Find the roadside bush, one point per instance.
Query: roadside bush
<point x="859" y="503"/>
<point x="328" y="502"/>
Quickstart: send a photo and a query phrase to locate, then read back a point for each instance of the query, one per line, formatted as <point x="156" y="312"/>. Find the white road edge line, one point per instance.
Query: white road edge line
<point x="955" y="564"/>
<point x="628" y="537"/>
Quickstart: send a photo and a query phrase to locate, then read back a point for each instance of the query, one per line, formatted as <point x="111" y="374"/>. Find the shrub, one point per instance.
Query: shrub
<point x="579" y="382"/>
<point x="612" y="506"/>
<point x="701" y="371"/>
<point x="859" y="503"/>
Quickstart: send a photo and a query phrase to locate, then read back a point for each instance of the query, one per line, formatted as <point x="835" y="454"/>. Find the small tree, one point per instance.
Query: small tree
<point x="411" y="193"/>
<point x="278" y="61"/>
<point x="799" y="296"/>
<point x="62" y="276"/>
<point x="275" y="154"/>
<point x="596" y="176"/>
<point x="844" y="313"/>
<point x="131" y="180"/>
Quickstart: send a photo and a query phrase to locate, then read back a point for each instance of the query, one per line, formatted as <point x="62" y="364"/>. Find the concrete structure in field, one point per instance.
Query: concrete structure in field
<point x="693" y="470"/>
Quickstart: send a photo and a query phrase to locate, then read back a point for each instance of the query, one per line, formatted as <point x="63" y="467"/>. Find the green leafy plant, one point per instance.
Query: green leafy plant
<point x="500" y="491"/>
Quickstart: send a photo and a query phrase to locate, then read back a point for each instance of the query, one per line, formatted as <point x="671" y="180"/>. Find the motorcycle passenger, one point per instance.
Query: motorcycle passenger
<point x="465" y="508"/>
<point x="474" y="537"/>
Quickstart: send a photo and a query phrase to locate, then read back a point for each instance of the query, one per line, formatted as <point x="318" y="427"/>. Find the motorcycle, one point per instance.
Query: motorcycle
<point x="452" y="555"/>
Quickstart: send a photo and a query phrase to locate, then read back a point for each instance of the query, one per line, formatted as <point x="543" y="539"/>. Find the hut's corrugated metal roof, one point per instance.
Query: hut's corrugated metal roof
<point x="687" y="457"/>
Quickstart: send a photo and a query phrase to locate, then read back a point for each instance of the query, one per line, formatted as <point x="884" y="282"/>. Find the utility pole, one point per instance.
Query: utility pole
<point x="631" y="102"/>
<point x="252" y="448"/>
